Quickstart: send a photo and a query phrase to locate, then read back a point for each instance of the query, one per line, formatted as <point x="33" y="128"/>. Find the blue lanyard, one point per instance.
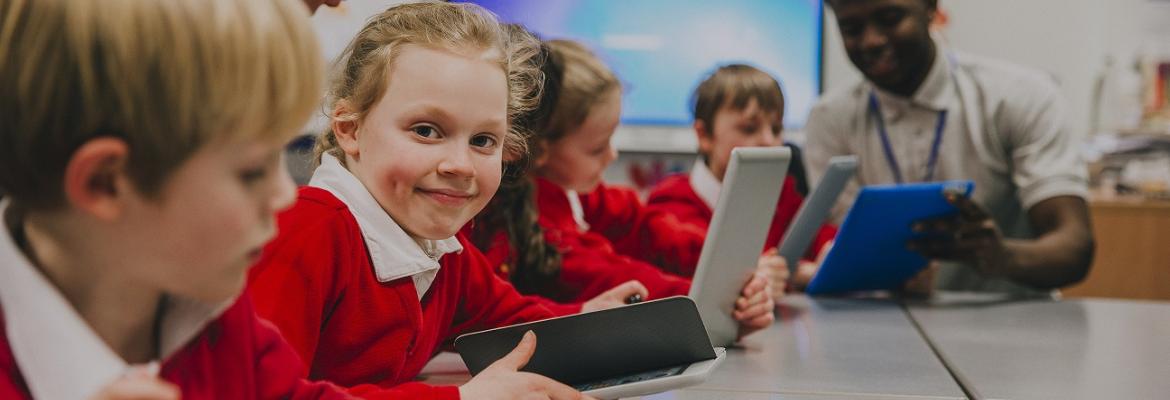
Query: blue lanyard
<point x="893" y="161"/>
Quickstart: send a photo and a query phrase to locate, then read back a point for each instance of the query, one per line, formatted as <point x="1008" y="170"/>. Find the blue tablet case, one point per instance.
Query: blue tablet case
<point x="870" y="250"/>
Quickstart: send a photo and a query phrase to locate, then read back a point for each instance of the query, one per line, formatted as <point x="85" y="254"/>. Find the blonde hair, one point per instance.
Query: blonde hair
<point x="584" y="80"/>
<point x="734" y="86"/>
<point x="164" y="76"/>
<point x="458" y="27"/>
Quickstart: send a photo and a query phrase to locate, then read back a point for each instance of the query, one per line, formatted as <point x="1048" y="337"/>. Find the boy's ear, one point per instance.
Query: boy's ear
<point x="96" y="177"/>
<point x="705" y="137"/>
<point x="345" y="130"/>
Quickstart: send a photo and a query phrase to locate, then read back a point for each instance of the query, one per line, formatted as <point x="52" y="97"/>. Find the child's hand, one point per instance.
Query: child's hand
<point x="501" y="380"/>
<point x="776" y="269"/>
<point x="139" y="384"/>
<point x="615" y="297"/>
<point x="754" y="307"/>
<point x="806" y="270"/>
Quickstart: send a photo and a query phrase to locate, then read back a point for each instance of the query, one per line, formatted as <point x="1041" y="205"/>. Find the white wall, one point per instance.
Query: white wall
<point x="1066" y="38"/>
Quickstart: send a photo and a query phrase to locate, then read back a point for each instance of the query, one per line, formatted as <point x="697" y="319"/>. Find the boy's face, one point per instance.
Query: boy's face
<point x="431" y="150"/>
<point x="198" y="236"/>
<point x="749" y="127"/>
<point x="887" y="40"/>
<point x="578" y="159"/>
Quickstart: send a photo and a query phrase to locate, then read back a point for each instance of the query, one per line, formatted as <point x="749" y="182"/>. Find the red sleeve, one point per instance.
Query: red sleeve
<point x="486" y="300"/>
<point x="560" y="309"/>
<point x="589" y="267"/>
<point x="279" y="372"/>
<point x="274" y="355"/>
<point x="306" y="261"/>
<point x="675" y="195"/>
<point x="827" y="233"/>
<point x="648" y="234"/>
<point x="499" y="253"/>
<point x="406" y="391"/>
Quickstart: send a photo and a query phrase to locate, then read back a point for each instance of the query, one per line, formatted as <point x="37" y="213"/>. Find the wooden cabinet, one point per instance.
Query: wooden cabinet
<point x="1133" y="251"/>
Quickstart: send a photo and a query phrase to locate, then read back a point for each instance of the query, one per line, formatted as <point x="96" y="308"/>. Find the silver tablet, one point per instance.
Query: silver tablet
<point x="747" y="202"/>
<point x="815" y="210"/>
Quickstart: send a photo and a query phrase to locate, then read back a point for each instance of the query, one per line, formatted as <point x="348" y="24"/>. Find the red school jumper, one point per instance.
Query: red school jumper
<point x="623" y="236"/>
<point x="316" y="282"/>
<point x="236" y="356"/>
<point x="676" y="196"/>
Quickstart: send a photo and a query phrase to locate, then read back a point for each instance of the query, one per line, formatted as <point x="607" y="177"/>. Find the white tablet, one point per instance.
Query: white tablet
<point x="747" y="202"/>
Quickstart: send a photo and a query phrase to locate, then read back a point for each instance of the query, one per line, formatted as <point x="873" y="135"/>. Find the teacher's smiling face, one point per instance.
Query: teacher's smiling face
<point x="888" y="40"/>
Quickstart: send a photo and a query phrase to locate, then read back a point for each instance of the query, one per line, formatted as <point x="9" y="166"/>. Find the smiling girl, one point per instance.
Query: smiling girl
<point x="368" y="277"/>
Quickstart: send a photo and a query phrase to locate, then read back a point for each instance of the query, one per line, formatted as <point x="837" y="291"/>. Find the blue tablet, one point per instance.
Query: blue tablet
<point x="870" y="250"/>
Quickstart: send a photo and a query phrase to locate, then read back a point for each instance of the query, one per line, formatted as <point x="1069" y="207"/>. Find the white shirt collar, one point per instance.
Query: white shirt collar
<point x="577" y="210"/>
<point x="395" y="254"/>
<point x="936" y="90"/>
<point x="705" y="184"/>
<point x="59" y="354"/>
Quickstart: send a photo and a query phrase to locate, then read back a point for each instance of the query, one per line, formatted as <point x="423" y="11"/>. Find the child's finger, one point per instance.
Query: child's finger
<point x="755" y="312"/>
<point x="747" y="302"/>
<point x="556" y="390"/>
<point x="630" y="288"/>
<point x="520" y="355"/>
<point x="756" y="284"/>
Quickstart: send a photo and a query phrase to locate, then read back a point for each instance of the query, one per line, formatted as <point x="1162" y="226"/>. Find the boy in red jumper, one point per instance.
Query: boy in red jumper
<point x="368" y="277"/>
<point x="737" y="106"/>
<point x="583" y="244"/>
<point x="140" y="153"/>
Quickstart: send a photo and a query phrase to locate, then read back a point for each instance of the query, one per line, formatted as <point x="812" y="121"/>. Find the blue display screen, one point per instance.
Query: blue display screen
<point x="661" y="49"/>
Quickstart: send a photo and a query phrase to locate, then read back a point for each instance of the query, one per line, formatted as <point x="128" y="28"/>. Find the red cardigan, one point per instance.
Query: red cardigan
<point x="316" y="282"/>
<point x="593" y="261"/>
<point x="237" y="356"/>
<point x="499" y="255"/>
<point x="676" y="196"/>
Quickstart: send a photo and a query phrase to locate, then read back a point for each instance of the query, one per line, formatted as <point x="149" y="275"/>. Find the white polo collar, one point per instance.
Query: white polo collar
<point x="58" y="353"/>
<point x="395" y="254"/>
<point x="705" y="184"/>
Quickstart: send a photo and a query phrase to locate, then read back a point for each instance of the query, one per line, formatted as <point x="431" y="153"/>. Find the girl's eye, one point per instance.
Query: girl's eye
<point x="252" y="175"/>
<point x="600" y="150"/>
<point x="485" y="141"/>
<point x="426" y="131"/>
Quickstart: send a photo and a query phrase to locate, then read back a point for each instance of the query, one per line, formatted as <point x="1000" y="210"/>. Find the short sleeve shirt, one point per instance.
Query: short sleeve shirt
<point x="1004" y="128"/>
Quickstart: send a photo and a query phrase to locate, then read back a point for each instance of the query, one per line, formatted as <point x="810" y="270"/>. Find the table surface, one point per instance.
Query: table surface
<point x="869" y="349"/>
<point x="840" y="346"/>
<point x="1037" y="349"/>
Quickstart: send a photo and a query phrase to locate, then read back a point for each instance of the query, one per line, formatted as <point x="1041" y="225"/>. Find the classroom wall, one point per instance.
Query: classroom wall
<point x="1066" y="38"/>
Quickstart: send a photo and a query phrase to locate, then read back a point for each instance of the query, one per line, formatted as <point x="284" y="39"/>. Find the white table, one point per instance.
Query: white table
<point x="1071" y="349"/>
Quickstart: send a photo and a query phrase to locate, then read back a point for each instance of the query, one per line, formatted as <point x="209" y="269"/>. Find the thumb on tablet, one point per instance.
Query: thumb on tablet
<point x="520" y="355"/>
